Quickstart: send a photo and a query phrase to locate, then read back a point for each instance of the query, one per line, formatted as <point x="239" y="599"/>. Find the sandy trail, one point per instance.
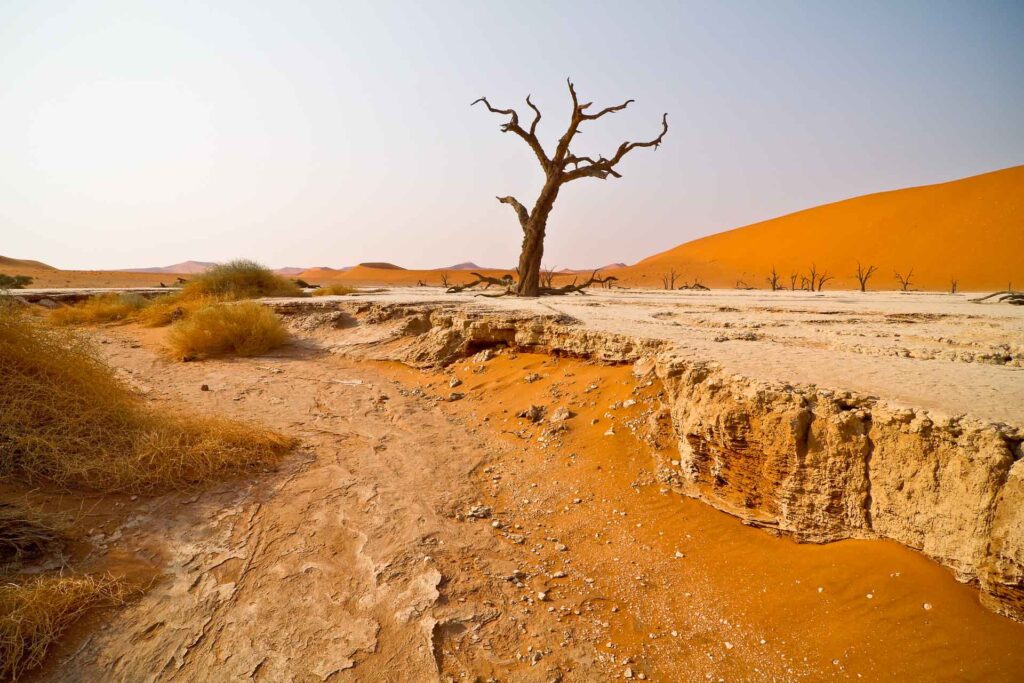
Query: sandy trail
<point x="338" y="560"/>
<point x="359" y="560"/>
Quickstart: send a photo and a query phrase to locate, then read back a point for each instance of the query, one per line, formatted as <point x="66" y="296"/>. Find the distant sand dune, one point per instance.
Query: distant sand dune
<point x="970" y="229"/>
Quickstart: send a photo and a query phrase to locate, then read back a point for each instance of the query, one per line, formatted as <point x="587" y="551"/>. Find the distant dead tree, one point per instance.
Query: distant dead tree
<point x="668" y="280"/>
<point x="774" y="281"/>
<point x="812" y="281"/>
<point x="953" y="285"/>
<point x="904" y="280"/>
<point x="547" y="277"/>
<point x="444" y="280"/>
<point x="792" y="281"/>
<point x="740" y="284"/>
<point x="559" y="168"/>
<point x="805" y="284"/>
<point x="822" y="279"/>
<point x="863" y="275"/>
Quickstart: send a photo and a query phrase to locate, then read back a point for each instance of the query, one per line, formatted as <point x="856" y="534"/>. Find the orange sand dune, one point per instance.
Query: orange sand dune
<point x="16" y="265"/>
<point x="970" y="229"/>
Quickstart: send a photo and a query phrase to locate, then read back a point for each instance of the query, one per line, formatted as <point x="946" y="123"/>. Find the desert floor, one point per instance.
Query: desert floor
<point x="415" y="538"/>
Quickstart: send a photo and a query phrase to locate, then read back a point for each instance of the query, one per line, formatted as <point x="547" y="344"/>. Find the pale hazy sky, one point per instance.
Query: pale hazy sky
<point x="140" y="133"/>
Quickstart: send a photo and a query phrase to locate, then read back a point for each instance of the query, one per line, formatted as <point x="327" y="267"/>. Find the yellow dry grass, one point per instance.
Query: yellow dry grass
<point x="36" y="611"/>
<point x="67" y="420"/>
<point x="242" y="329"/>
<point x="334" y="290"/>
<point x="100" y="309"/>
<point x="170" y="309"/>
<point x="239" y="279"/>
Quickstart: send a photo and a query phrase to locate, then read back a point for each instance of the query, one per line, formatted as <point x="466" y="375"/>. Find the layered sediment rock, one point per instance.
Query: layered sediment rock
<point x="817" y="464"/>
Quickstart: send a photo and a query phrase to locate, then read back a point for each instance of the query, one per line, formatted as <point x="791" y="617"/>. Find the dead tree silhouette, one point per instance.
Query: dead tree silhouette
<point x="864" y="275"/>
<point x="904" y="280"/>
<point x="562" y="167"/>
<point x="668" y="280"/>
<point x="774" y="281"/>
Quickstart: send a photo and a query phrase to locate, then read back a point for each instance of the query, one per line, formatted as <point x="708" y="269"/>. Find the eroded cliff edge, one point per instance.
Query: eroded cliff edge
<point x="818" y="464"/>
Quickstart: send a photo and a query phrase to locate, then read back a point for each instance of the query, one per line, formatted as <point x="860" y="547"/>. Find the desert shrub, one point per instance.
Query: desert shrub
<point x="170" y="309"/>
<point x="36" y="611"/>
<point x="14" y="281"/>
<point x="100" y="309"/>
<point x="334" y="290"/>
<point x="240" y="279"/>
<point x="67" y="420"/>
<point x="240" y="329"/>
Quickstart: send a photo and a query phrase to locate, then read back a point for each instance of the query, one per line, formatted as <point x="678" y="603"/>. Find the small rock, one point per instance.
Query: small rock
<point x="542" y="596"/>
<point x="927" y="606"/>
<point x="628" y="673"/>
<point x="561" y="547"/>
<point x="533" y="413"/>
<point x="610" y="432"/>
<point x="561" y="414"/>
<point x="205" y="387"/>
<point x="531" y="378"/>
<point x="728" y="645"/>
<point x="479" y="511"/>
<point x="456" y="396"/>
<point x="497" y="524"/>
<point x="454" y="382"/>
<point x="628" y="403"/>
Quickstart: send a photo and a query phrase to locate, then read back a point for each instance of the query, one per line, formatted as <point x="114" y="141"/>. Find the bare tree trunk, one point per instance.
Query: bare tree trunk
<point x="533" y="240"/>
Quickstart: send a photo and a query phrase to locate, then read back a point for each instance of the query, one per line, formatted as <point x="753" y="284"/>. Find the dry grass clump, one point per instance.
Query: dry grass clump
<point x="334" y="290"/>
<point x="67" y="420"/>
<point x="35" y="612"/>
<point x="242" y="329"/>
<point x="100" y="309"/>
<point x="171" y="309"/>
<point x="25" y="535"/>
<point x="239" y="279"/>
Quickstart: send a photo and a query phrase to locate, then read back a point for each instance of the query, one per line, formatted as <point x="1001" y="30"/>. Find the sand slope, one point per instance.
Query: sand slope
<point x="17" y="264"/>
<point x="971" y="229"/>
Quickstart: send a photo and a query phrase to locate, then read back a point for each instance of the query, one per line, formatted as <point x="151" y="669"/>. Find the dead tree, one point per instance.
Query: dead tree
<point x="504" y="281"/>
<point x="953" y="285"/>
<point x="668" y="280"/>
<point x="904" y="280"/>
<point x="696" y="284"/>
<point x="805" y="284"/>
<point x="444" y="280"/>
<point x="740" y="284"/>
<point x="864" y="275"/>
<point x="822" y="279"/>
<point x="792" y="281"/>
<point x="774" y="281"/>
<point x="1007" y="297"/>
<point x="547" y="278"/>
<point x="559" y="168"/>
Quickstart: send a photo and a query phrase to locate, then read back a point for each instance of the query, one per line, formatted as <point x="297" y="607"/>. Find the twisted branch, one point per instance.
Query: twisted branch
<point x="512" y="126"/>
<point x="524" y="215"/>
